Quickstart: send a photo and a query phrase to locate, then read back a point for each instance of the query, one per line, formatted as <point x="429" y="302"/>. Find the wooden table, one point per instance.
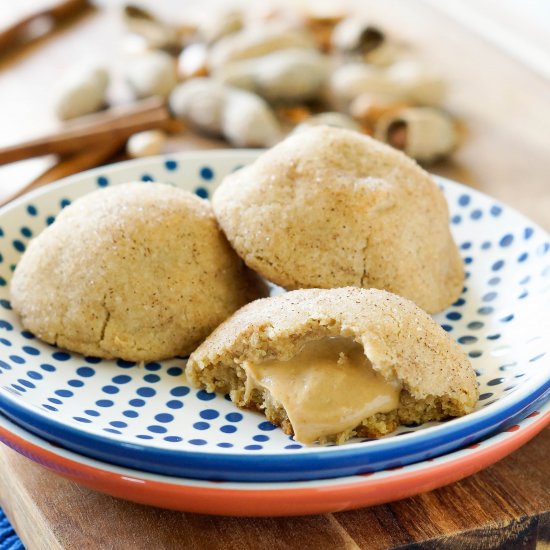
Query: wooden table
<point x="506" y="154"/>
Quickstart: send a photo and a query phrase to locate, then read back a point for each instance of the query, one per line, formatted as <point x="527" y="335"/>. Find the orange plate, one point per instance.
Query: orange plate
<point x="274" y="499"/>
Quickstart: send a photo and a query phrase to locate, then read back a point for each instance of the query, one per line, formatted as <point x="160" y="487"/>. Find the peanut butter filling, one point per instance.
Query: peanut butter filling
<point x="327" y="388"/>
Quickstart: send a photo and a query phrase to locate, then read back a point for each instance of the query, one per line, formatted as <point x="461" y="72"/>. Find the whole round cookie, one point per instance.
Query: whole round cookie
<point x="328" y="364"/>
<point x="330" y="207"/>
<point x="137" y="271"/>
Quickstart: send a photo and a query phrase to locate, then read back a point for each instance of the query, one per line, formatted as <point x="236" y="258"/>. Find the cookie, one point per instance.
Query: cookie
<point x="329" y="364"/>
<point x="329" y="207"/>
<point x="137" y="271"/>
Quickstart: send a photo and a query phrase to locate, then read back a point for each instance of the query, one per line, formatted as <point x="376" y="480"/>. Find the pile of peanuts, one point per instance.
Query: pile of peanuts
<point x="252" y="81"/>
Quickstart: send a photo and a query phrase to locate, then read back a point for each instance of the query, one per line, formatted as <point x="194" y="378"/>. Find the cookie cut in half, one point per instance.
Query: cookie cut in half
<point x="137" y="271"/>
<point x="329" y="207"/>
<point x="326" y="365"/>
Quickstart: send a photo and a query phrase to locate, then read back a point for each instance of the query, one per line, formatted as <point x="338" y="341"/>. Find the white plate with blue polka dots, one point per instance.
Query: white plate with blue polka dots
<point x="146" y="417"/>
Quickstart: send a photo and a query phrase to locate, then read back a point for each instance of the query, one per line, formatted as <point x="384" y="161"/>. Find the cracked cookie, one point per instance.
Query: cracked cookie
<point x="326" y="365"/>
<point x="329" y="207"/>
<point x="137" y="271"/>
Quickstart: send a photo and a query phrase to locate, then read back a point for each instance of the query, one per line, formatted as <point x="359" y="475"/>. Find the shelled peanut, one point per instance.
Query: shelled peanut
<point x="242" y="118"/>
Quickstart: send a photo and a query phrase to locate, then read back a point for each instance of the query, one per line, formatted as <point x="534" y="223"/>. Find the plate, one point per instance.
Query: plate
<point x="278" y="498"/>
<point x="147" y="418"/>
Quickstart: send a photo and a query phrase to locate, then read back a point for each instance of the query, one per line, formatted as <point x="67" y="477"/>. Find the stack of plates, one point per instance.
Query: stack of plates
<point x="139" y="432"/>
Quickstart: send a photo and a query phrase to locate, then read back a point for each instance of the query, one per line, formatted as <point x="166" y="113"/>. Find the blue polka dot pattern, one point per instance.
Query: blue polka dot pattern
<point x="228" y="429"/>
<point x="86" y="372"/>
<point x="152" y="405"/>
<point x="205" y="396"/>
<point x="146" y="392"/>
<point x="18" y="245"/>
<point x="164" y="417"/>
<point x="209" y="414"/>
<point x="179" y="391"/>
<point x="506" y="240"/>
<point x="122" y="379"/>
<point x="175" y="371"/>
<point x="476" y="214"/>
<point x="523" y="256"/>
<point x="157" y="429"/>
<point x="118" y="424"/>
<point x="266" y="426"/>
<point x="467" y="340"/>
<point x="207" y="173"/>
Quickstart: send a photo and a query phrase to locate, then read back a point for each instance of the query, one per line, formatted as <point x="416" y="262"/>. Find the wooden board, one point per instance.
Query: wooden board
<point x="506" y="154"/>
<point x="505" y="506"/>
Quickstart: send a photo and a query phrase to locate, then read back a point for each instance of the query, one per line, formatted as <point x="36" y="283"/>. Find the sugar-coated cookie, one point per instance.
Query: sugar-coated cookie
<point x="329" y="364"/>
<point x="137" y="271"/>
<point x="329" y="207"/>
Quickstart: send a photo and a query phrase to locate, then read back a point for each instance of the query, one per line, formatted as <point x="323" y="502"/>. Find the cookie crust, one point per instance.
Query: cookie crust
<point x="401" y="341"/>
<point x="137" y="271"/>
<point x="329" y="207"/>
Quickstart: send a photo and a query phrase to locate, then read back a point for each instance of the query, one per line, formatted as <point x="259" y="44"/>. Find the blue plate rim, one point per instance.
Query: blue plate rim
<point x="265" y="467"/>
